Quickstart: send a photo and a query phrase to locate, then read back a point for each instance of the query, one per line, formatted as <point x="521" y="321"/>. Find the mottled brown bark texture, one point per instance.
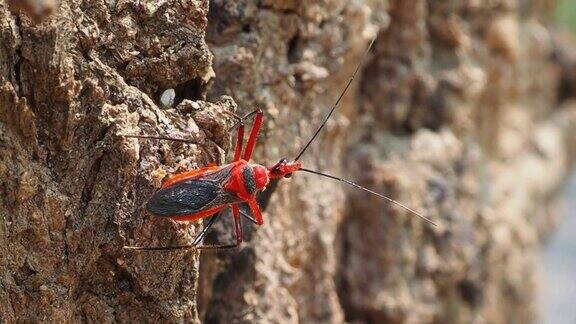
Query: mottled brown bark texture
<point x="463" y="110"/>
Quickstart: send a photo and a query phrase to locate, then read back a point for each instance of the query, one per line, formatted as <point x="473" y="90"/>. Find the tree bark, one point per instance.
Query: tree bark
<point x="463" y="111"/>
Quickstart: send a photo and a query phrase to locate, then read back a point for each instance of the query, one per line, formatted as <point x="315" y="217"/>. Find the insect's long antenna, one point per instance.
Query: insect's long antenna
<point x="339" y="99"/>
<point x="372" y="192"/>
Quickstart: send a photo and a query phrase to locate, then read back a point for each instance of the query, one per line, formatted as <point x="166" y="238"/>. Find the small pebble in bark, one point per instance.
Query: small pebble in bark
<point x="167" y="98"/>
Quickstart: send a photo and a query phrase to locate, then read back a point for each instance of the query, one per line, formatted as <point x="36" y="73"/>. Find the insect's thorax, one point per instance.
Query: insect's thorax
<point x="247" y="179"/>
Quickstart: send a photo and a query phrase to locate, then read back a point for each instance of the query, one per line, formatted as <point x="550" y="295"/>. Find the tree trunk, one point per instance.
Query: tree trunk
<point x="462" y="111"/>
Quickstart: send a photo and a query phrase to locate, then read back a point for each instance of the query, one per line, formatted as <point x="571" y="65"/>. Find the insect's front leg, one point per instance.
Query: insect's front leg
<point x="255" y="209"/>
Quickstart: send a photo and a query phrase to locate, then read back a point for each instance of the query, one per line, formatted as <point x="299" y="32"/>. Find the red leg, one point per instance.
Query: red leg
<point x="239" y="141"/>
<point x="256" y="211"/>
<point x="237" y="224"/>
<point x="253" y="134"/>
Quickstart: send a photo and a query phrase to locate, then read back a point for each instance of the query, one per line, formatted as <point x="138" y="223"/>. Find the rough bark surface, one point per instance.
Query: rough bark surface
<point x="463" y="111"/>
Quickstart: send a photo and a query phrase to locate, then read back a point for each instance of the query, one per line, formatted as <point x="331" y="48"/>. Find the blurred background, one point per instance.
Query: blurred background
<point x="558" y="290"/>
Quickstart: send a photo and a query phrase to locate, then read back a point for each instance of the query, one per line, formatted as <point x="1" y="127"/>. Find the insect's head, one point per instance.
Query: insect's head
<point x="284" y="169"/>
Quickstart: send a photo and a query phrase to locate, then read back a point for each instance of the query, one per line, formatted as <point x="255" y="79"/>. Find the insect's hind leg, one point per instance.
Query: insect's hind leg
<point x="196" y="241"/>
<point x="194" y="244"/>
<point x="237" y="230"/>
<point x="202" y="234"/>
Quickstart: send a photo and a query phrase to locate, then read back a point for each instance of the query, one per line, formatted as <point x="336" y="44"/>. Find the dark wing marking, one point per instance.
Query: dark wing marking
<point x="189" y="197"/>
<point x="249" y="181"/>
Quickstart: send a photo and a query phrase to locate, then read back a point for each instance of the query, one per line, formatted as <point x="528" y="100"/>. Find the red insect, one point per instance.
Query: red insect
<point x="205" y="192"/>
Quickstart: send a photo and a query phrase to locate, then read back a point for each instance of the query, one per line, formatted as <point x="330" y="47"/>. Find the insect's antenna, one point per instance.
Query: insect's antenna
<point x="372" y="192"/>
<point x="339" y="99"/>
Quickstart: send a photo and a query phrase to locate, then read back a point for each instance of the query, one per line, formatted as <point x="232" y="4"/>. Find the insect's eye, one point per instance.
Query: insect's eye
<point x="276" y="169"/>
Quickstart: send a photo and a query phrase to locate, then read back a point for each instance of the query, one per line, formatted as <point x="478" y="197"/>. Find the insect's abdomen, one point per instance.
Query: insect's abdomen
<point x="188" y="197"/>
<point x="185" y="198"/>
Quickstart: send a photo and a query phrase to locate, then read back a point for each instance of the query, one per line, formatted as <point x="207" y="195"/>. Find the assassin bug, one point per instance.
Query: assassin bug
<point x="205" y="192"/>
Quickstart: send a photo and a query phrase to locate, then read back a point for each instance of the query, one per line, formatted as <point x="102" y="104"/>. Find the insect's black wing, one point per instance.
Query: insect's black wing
<point x="191" y="196"/>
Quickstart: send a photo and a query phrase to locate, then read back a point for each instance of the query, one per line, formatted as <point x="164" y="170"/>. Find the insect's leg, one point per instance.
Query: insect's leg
<point x="259" y="220"/>
<point x="253" y="134"/>
<point x="241" y="119"/>
<point x="236" y="212"/>
<point x="248" y="216"/>
<point x="194" y="244"/>
<point x="239" y="141"/>
<point x="202" y="234"/>
<point x="237" y="223"/>
<point x="240" y="137"/>
<point x="237" y="230"/>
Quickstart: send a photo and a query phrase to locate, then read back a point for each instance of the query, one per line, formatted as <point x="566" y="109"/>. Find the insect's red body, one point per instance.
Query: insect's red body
<point x="201" y="193"/>
<point x="240" y="183"/>
<point x="205" y="192"/>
